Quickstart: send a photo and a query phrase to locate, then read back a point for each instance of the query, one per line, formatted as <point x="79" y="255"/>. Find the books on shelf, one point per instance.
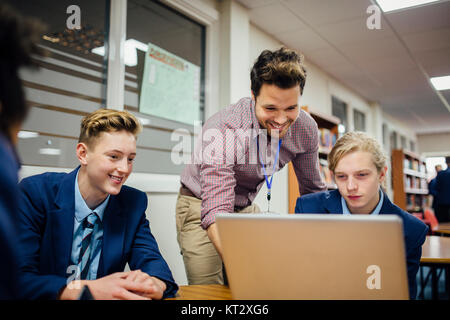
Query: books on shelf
<point x="325" y="172"/>
<point x="415" y="183"/>
<point x="415" y="202"/>
<point x="327" y="139"/>
<point x="414" y="164"/>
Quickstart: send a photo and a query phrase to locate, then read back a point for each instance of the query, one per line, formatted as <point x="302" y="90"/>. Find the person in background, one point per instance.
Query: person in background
<point x="81" y="228"/>
<point x="443" y="194"/>
<point x="18" y="39"/>
<point x="432" y="187"/>
<point x="359" y="167"/>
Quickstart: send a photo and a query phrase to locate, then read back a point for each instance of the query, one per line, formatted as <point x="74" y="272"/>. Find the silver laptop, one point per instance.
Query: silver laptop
<point x="311" y="256"/>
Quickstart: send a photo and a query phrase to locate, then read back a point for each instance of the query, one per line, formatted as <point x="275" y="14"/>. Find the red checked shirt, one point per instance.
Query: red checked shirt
<point x="226" y="172"/>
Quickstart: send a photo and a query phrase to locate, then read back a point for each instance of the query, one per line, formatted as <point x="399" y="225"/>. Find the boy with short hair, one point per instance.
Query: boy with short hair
<point x="359" y="167"/>
<point x="85" y="225"/>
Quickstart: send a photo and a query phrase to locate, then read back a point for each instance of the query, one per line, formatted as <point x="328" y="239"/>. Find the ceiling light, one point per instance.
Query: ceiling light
<point x="130" y="51"/>
<point x="27" y="134"/>
<point x="144" y="121"/>
<point x="391" y="5"/>
<point x="50" y="151"/>
<point x="441" y="83"/>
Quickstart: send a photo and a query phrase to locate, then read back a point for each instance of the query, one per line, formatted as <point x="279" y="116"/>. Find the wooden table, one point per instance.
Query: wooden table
<point x="443" y="228"/>
<point x="436" y="254"/>
<point x="204" y="292"/>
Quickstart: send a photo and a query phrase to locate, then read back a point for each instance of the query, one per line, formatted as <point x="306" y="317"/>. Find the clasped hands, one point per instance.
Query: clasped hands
<point x="131" y="285"/>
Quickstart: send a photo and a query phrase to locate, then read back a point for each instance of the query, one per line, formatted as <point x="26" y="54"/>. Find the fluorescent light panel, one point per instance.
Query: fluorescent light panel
<point x="391" y="5"/>
<point x="441" y="83"/>
<point x="50" y="151"/>
<point x="27" y="134"/>
<point x="130" y="57"/>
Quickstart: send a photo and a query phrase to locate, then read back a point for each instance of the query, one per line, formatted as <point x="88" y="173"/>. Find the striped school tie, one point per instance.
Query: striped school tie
<point x="84" y="258"/>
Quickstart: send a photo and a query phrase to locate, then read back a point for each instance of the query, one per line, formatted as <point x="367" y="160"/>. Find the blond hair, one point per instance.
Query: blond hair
<point x="356" y="141"/>
<point x="107" y="120"/>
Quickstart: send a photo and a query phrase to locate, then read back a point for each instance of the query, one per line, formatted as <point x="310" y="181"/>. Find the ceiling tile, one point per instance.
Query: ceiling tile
<point x="323" y="12"/>
<point x="251" y="4"/>
<point x="275" y="18"/>
<point x="420" y="19"/>
<point x="353" y="31"/>
<point x="428" y="40"/>
<point x="302" y="39"/>
<point x="366" y="51"/>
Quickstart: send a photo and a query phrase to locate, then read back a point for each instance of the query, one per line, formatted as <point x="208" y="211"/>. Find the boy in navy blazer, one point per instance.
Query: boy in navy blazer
<point x="81" y="228"/>
<point x="359" y="167"/>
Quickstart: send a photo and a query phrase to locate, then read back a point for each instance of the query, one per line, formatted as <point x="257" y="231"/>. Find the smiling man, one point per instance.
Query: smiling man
<point x="271" y="120"/>
<point x="81" y="228"/>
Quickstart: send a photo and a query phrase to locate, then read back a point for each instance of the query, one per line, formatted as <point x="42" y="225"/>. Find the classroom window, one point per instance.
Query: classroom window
<point x="339" y="109"/>
<point x="164" y="79"/>
<point x="412" y="146"/>
<point x="403" y="142"/>
<point x="385" y="133"/>
<point x="359" y="120"/>
<point x="393" y="140"/>
<point x="70" y="83"/>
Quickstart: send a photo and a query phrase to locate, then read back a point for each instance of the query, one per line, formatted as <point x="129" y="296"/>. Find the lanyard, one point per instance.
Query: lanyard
<point x="269" y="183"/>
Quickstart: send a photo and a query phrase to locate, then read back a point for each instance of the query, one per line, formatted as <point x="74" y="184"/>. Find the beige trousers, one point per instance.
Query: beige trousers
<point x="202" y="262"/>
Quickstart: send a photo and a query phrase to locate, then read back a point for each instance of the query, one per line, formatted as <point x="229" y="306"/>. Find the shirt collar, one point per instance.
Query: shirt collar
<point x="376" y="211"/>
<point x="81" y="208"/>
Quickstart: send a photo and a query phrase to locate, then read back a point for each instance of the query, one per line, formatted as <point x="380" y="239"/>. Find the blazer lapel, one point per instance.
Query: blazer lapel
<point x="113" y="236"/>
<point x="63" y="222"/>
<point x="387" y="207"/>
<point x="332" y="202"/>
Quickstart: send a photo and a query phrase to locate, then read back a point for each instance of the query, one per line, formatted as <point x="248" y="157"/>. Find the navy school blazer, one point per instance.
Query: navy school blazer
<point x="46" y="222"/>
<point x="414" y="230"/>
<point x="9" y="245"/>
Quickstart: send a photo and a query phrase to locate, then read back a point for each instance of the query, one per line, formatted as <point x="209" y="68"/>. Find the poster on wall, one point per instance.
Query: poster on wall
<point x="170" y="87"/>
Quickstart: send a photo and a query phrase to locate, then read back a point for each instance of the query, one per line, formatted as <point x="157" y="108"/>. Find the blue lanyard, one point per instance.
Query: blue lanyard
<point x="269" y="183"/>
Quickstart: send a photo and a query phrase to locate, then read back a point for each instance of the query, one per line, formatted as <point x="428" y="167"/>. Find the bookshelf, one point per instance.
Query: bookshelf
<point x="328" y="134"/>
<point x="409" y="181"/>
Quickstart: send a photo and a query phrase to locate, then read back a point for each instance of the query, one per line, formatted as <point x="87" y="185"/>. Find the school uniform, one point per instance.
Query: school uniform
<point x="47" y="226"/>
<point x="414" y="230"/>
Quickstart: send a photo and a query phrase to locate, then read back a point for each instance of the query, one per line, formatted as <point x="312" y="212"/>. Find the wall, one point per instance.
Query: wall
<point x="435" y="144"/>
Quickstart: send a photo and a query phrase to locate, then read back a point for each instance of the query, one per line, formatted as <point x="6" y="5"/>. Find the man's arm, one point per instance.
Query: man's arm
<point x="306" y="167"/>
<point x="213" y="235"/>
<point x="218" y="196"/>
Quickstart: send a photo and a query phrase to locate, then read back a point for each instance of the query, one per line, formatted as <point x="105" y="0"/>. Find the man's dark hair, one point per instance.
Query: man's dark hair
<point x="447" y="160"/>
<point x="18" y="40"/>
<point x="283" y="68"/>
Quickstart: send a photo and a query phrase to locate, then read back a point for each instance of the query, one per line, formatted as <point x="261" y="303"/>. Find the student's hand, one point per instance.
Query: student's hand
<point x="155" y="287"/>
<point x="113" y="287"/>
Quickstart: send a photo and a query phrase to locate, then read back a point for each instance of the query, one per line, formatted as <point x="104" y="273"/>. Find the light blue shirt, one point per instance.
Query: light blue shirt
<point x="81" y="212"/>
<point x="376" y="211"/>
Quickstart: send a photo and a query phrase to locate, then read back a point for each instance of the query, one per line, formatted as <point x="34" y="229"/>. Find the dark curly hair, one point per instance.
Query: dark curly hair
<point x="283" y="67"/>
<point x="18" y="40"/>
